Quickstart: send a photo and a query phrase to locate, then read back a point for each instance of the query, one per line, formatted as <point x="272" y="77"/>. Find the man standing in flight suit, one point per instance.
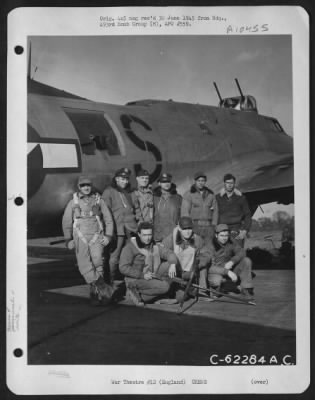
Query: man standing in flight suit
<point x="88" y="227"/>
<point x="118" y="199"/>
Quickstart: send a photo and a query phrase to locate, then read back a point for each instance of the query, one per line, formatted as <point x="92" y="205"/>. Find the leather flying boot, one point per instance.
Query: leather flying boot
<point x="104" y="291"/>
<point x="94" y="297"/>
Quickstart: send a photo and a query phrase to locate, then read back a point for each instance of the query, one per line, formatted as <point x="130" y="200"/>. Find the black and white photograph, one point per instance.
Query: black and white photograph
<point x="163" y="165"/>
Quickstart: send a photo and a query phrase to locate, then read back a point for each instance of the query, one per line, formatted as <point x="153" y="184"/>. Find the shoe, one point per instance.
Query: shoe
<point x="229" y="287"/>
<point x="180" y="296"/>
<point x="248" y="294"/>
<point x="103" y="290"/>
<point x="94" y="297"/>
<point x="215" y="295"/>
<point x="166" y="301"/>
<point x="192" y="292"/>
<point x="119" y="291"/>
<point x="135" y="297"/>
<point x="205" y="298"/>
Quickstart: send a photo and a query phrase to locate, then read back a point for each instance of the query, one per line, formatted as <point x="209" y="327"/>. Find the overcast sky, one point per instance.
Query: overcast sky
<point x="118" y="69"/>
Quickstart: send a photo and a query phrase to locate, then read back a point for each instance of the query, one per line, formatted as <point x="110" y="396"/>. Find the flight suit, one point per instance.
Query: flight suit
<point x="86" y="220"/>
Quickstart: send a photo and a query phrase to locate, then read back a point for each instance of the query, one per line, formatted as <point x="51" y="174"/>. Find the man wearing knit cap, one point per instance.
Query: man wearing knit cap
<point x="200" y="204"/>
<point x="142" y="197"/>
<point x="233" y="209"/>
<point x="229" y="262"/>
<point x="118" y="199"/>
<point x="88" y="227"/>
<point x="190" y="251"/>
<point x="167" y="203"/>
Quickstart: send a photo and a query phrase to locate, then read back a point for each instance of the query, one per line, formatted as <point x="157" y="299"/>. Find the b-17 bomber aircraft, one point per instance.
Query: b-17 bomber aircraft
<point x="69" y="136"/>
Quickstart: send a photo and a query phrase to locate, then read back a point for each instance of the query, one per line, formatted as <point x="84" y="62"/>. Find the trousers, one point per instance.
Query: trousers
<point x="206" y="232"/>
<point x="153" y="288"/>
<point x="115" y="250"/>
<point x="243" y="270"/>
<point x="89" y="257"/>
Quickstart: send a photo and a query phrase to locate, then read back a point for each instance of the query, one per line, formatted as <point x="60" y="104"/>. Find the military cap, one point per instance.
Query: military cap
<point x="143" y="172"/>
<point x="185" y="223"/>
<point x="84" y="180"/>
<point x="123" y="172"/>
<point x="165" y="178"/>
<point x="200" y="174"/>
<point x="221" y="227"/>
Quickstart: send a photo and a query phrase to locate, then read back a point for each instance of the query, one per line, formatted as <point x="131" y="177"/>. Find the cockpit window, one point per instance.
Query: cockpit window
<point x="274" y="125"/>
<point x="277" y="126"/>
<point x="94" y="131"/>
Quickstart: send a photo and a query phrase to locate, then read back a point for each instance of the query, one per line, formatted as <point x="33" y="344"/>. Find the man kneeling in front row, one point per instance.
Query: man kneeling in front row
<point x="141" y="264"/>
<point x="229" y="263"/>
<point x="193" y="256"/>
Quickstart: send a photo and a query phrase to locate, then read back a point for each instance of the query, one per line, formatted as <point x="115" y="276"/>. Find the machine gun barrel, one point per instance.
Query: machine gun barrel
<point x="217" y="90"/>
<point x="216" y="292"/>
<point x="239" y="88"/>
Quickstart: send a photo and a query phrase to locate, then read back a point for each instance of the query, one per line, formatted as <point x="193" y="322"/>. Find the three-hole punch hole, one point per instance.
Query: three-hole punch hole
<point x="18" y="50"/>
<point x="18" y="201"/>
<point x="18" y="353"/>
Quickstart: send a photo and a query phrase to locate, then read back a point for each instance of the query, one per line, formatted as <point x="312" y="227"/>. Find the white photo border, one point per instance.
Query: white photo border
<point x="25" y="22"/>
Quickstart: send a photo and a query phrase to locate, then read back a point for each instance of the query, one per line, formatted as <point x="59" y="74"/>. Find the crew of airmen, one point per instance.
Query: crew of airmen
<point x="144" y="241"/>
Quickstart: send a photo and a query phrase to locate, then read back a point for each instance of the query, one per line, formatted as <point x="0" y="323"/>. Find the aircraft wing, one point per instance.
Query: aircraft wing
<point x="273" y="175"/>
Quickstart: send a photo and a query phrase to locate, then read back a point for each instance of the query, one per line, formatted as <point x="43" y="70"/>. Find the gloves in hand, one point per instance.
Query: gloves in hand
<point x="70" y="244"/>
<point x="232" y="275"/>
<point x="242" y="235"/>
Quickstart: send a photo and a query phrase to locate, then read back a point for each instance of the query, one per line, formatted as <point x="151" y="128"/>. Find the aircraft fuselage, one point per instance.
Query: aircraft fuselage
<point x="68" y="137"/>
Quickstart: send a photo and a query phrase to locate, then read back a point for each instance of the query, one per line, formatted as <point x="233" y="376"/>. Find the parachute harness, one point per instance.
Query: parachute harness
<point x="79" y="213"/>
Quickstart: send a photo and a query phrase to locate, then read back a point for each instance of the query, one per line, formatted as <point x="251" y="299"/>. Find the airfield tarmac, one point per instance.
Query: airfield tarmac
<point x="64" y="329"/>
